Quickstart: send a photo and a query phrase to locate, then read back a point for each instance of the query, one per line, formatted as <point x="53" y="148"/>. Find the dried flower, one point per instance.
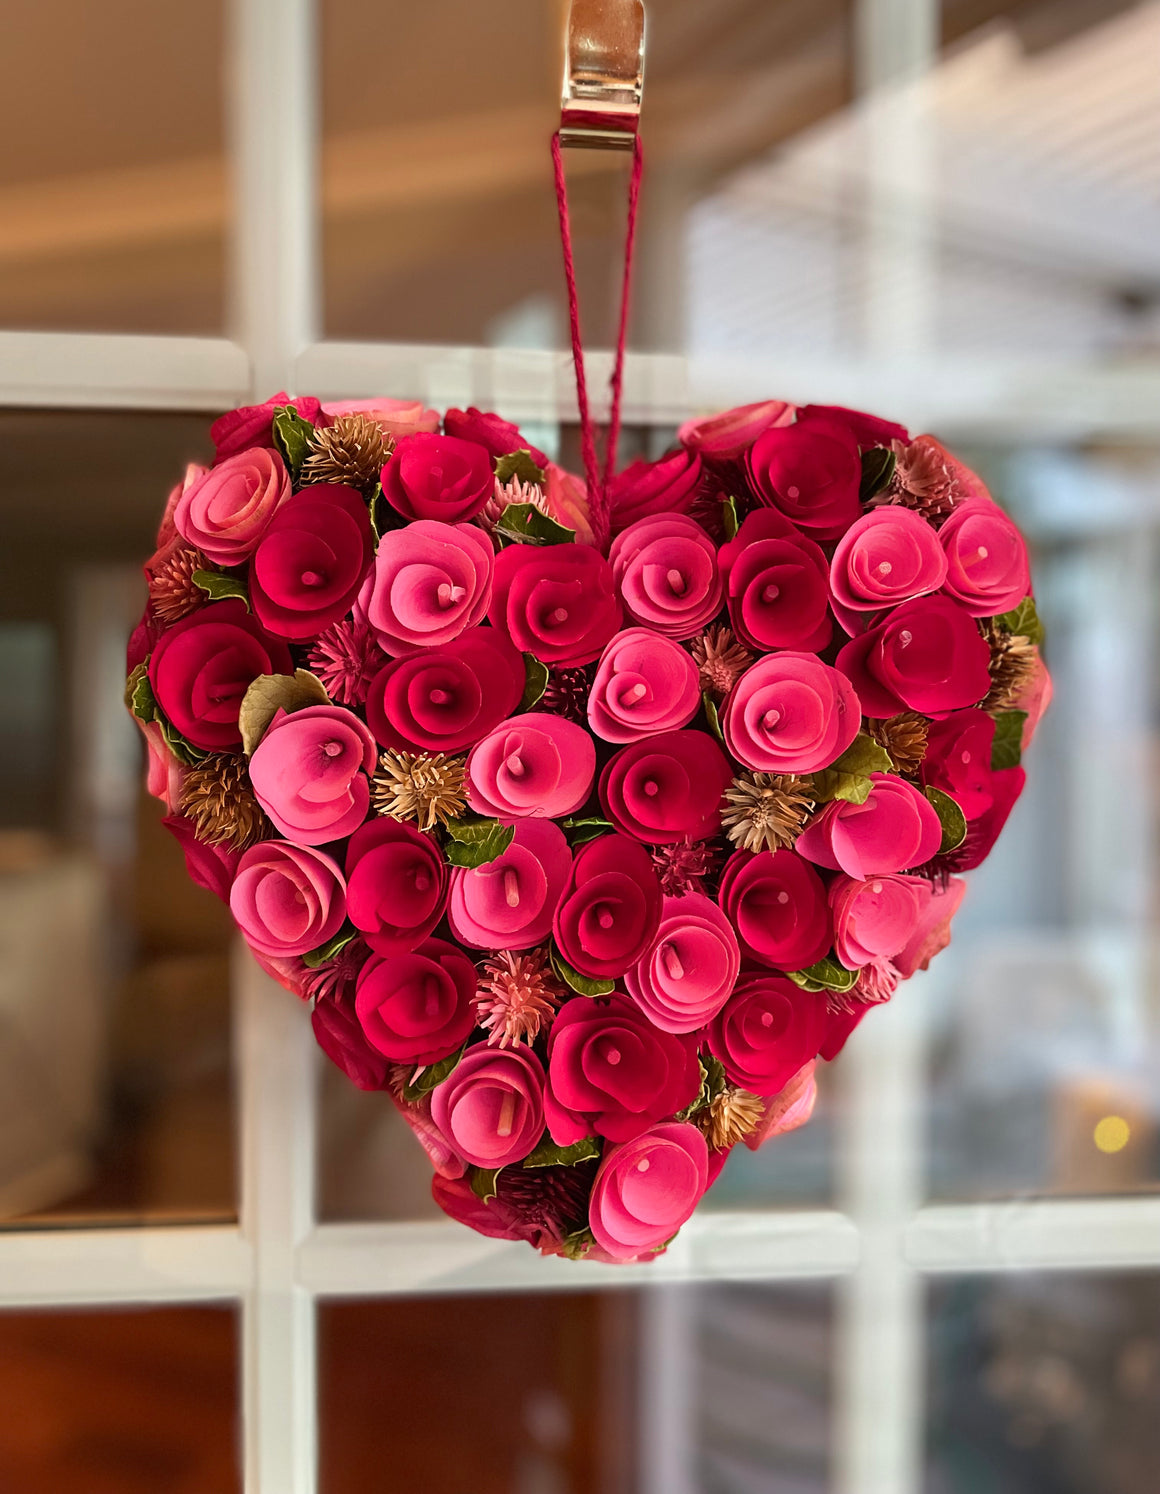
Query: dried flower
<point x="427" y="787"/>
<point x="216" y="795"/>
<point x="1013" y="658"/>
<point x="921" y="480"/>
<point x="766" y="811"/>
<point x="728" y="1117"/>
<point x="721" y="659"/>
<point x="566" y="694"/>
<point x="877" y="981"/>
<point x="904" y="738"/>
<point x="346" y="657"/>
<point x="685" y="866"/>
<point x="517" y="997"/>
<point x="507" y="493"/>
<point x="172" y="589"/>
<point x="335" y="980"/>
<point x="551" y="1200"/>
<point x="352" y="452"/>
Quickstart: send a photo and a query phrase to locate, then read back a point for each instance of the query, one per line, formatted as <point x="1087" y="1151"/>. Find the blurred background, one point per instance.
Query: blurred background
<point x="816" y="208"/>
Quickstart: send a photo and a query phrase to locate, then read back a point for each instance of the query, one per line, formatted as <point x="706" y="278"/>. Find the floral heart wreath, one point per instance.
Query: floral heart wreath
<point x="585" y="830"/>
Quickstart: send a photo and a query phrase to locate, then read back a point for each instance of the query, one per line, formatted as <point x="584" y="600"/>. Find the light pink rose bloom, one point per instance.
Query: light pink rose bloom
<point x="287" y="899"/>
<point x="491" y="1106"/>
<point x="225" y="511"/>
<point x="896" y="828"/>
<point x="889" y="556"/>
<point x="987" y="566"/>
<point x="310" y="773"/>
<point x="933" y="931"/>
<point x="666" y="569"/>
<point x="644" y="684"/>
<point x="1034" y="698"/>
<point x="164" y="775"/>
<point x="430" y="581"/>
<point x="647" y="1188"/>
<point x="874" y="919"/>
<point x="688" y="975"/>
<point x="536" y="764"/>
<point x="788" y="1109"/>
<point x="509" y="903"/>
<point x="444" y="1159"/>
<point x="790" y="713"/>
<point x="397" y="417"/>
<point x="566" y="501"/>
<point x="728" y="434"/>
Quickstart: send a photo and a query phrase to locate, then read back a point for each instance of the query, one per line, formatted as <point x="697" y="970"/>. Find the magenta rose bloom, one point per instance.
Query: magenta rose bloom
<point x="497" y="436"/>
<point x="510" y="903"/>
<point x="557" y="602"/>
<point x="445" y="699"/>
<point x="438" y="477"/>
<point x="727" y="435"/>
<point x="612" y="1073"/>
<point x="790" y="713"/>
<point x="777" y="903"/>
<point x="811" y="473"/>
<point x="310" y="773"/>
<point x="611" y="908"/>
<point x="310" y="562"/>
<point x="338" y="1033"/>
<point x="766" y="1031"/>
<point x="646" y="1189"/>
<point x="895" y="828"/>
<point x="987" y="567"/>
<point x="665" y="487"/>
<point x="535" y="764"/>
<point x="927" y="655"/>
<point x="416" y="1007"/>
<point x="889" y="556"/>
<point x="287" y="900"/>
<point x="689" y="973"/>
<point x="958" y="759"/>
<point x="225" y="512"/>
<point x="666" y="788"/>
<point x="874" y="919"/>
<point x="491" y="1106"/>
<point x="933" y="931"/>
<point x="867" y="430"/>
<point x="396" y="885"/>
<point x="785" y="1111"/>
<point x="211" y="867"/>
<point x="776" y="584"/>
<point x="645" y="684"/>
<point x="666" y="569"/>
<point x="204" y="664"/>
<point x="430" y="582"/>
<point x="253" y="425"/>
<point x="1006" y="786"/>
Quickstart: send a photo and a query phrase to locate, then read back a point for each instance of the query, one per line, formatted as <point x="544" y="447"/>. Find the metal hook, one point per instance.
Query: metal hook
<point x="603" y="74"/>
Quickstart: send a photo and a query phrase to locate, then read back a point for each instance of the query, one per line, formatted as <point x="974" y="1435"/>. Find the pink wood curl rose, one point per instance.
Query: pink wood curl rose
<point x="585" y="853"/>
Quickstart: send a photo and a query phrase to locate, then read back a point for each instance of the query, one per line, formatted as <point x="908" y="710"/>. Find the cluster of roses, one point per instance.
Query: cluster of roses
<point x="586" y="833"/>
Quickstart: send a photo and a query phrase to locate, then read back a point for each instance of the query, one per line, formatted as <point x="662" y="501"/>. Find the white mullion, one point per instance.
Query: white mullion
<point x="1108" y="1234"/>
<point x="83" y="370"/>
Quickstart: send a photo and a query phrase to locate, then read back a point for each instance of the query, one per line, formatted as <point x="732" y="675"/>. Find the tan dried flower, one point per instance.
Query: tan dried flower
<point x="517" y="996"/>
<point x="766" y="811"/>
<point x="352" y="452"/>
<point x="172" y="589"/>
<point x="216" y="795"/>
<point x="427" y="787"/>
<point x="904" y="738"/>
<point x="728" y="1117"/>
<point x="721" y="659"/>
<point x="1013" y="659"/>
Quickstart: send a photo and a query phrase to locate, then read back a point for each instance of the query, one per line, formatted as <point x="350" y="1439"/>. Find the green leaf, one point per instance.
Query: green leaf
<point x="525" y="524"/>
<point x="1023" y="620"/>
<point x="1007" y="748"/>
<point x="185" y="752"/>
<point x="826" y="975"/>
<point x="221" y="588"/>
<point x="712" y="1083"/>
<point x="583" y="985"/>
<point x="535" y="681"/>
<point x="729" y="518"/>
<point x="292" y="437"/>
<point x="268" y="694"/>
<point x="712" y="715"/>
<point x="548" y="1154"/>
<point x="424" y="1080"/>
<point x="581" y="829"/>
<point x="518" y="464"/>
<point x="950" y="817"/>
<point x="577" y="1245"/>
<point x="327" y="951"/>
<point x="139" y="695"/>
<point x="832" y="784"/>
<point x="476" y="842"/>
<point x="878" y="466"/>
<point x="483" y="1181"/>
<point x="863" y="755"/>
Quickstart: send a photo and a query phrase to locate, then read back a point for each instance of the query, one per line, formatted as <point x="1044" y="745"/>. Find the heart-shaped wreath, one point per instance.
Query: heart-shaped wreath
<point x="585" y="834"/>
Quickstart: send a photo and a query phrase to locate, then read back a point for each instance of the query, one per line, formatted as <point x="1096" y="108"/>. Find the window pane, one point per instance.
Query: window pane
<point x="114" y="997"/>
<point x="113" y="195"/>
<point x="119" y="1402"/>
<point x="1044" y="1383"/>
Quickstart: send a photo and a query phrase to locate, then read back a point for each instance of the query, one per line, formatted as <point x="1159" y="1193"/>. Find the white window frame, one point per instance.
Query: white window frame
<point x="278" y="1262"/>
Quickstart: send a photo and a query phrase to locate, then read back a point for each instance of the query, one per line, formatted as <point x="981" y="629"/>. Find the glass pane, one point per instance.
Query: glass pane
<point x="119" y="1402"/>
<point x="714" y="1388"/>
<point x="1046" y="1011"/>
<point x="115" y="1094"/>
<point x="1046" y="1384"/>
<point x="113" y="208"/>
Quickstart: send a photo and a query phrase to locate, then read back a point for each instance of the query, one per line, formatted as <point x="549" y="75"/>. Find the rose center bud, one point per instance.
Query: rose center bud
<point x="431" y="997"/>
<point x="613" y="1056"/>
<point x="783" y="897"/>
<point x="439" y="697"/>
<point x="905" y="637"/>
<point x="637" y="692"/>
<point x="448" y="595"/>
<point x="642" y="1165"/>
<point x="312" y="578"/>
<point x="673" y="962"/>
<point x="651" y="787"/>
<point x="299" y="897"/>
<point x="507" y="1114"/>
<point x="770" y="592"/>
<point x="770" y="719"/>
<point x="793" y="492"/>
<point x="515" y="765"/>
<point x="676" y="582"/>
<point x="421" y="881"/>
<point x="436" y="473"/>
<point x="983" y="552"/>
<point x="884" y="568"/>
<point x="560" y="615"/>
<point x="966" y="757"/>
<point x="511" y="887"/>
<point x="876" y="888"/>
<point x="332" y="749"/>
<point x="767" y="1019"/>
<point x="604" y="916"/>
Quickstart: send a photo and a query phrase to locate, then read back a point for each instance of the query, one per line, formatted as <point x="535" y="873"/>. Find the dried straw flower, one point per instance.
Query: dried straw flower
<point x="346" y="657"/>
<point x="904" y="738"/>
<point x="877" y="981"/>
<point x="566" y="694"/>
<point x="921" y="480"/>
<point x="766" y="811"/>
<point x="721" y="659"/>
<point x="517" y="996"/>
<point x="728" y="1117"/>
<point x="426" y="787"/>
<point x="172" y="589"/>
<point x="1013" y="658"/>
<point x="685" y="866"/>
<point x="216" y="795"/>
<point x="352" y="451"/>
